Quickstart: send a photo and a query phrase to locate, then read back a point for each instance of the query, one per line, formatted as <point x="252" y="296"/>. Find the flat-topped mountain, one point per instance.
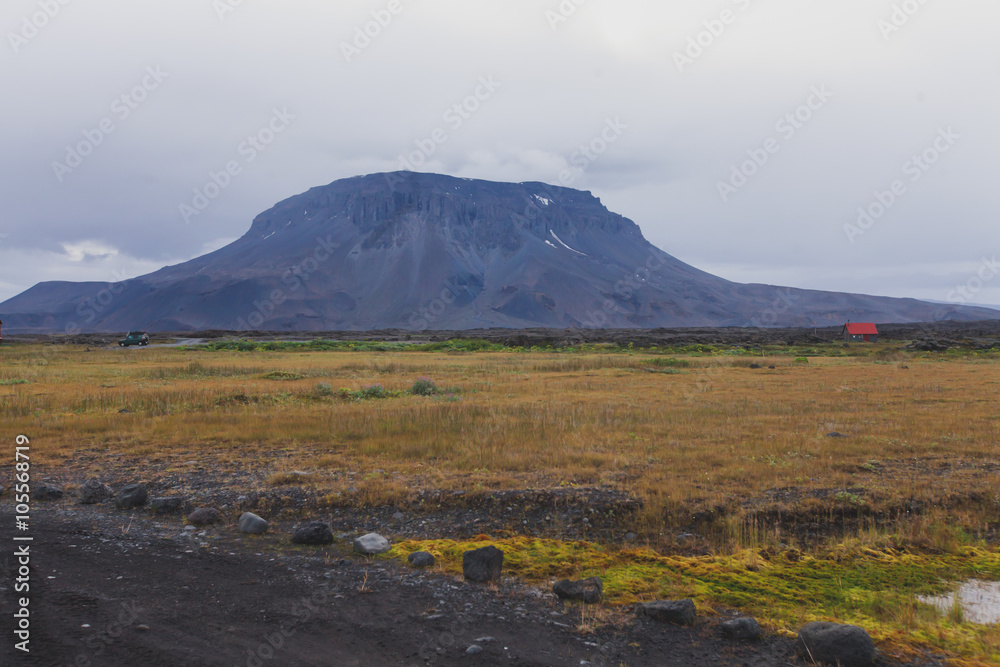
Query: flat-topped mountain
<point x="418" y="251"/>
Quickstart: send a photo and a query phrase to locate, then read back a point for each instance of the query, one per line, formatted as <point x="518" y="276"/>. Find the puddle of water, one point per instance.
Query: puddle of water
<point x="980" y="601"/>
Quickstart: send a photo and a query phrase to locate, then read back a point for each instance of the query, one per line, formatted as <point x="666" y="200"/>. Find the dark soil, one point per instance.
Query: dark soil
<point x="131" y="588"/>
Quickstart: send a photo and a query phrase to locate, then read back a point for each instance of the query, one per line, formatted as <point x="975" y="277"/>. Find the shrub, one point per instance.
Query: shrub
<point x="322" y="390"/>
<point x="424" y="387"/>
<point x="373" y="391"/>
<point x="671" y="362"/>
<point x="802" y="360"/>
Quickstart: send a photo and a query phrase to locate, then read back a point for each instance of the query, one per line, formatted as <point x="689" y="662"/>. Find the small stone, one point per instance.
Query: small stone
<point x="836" y="644"/>
<point x="313" y="533"/>
<point x="754" y="366"/>
<point x="588" y="591"/>
<point x="47" y="492"/>
<point x="678" y="612"/>
<point x="474" y="649"/>
<point x="631" y="537"/>
<point x="398" y="516"/>
<point x="835" y="435"/>
<point x="482" y="565"/>
<point x="132" y="496"/>
<point x="743" y="628"/>
<point x="485" y="640"/>
<point x="371" y="544"/>
<point x="204" y="516"/>
<point x="142" y="627"/>
<point x="421" y="559"/>
<point x="94" y="491"/>
<point x="167" y="504"/>
<point x="253" y="524"/>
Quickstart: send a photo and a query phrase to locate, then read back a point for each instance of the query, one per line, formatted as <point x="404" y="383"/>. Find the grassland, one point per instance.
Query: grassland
<point x="778" y="517"/>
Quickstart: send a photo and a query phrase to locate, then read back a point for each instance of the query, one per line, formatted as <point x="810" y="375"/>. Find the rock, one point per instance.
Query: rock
<point x="204" y="516"/>
<point x="398" y="516"/>
<point x="253" y="524"/>
<point x="315" y="532"/>
<point x="474" y="649"/>
<point x="482" y="564"/>
<point x="371" y="544"/>
<point x="836" y="644"/>
<point x="678" y="612"/>
<point x="589" y="591"/>
<point x="131" y="496"/>
<point x="167" y="504"/>
<point x="834" y="434"/>
<point x="743" y="628"/>
<point x="1" y="489"/>
<point x="421" y="559"/>
<point x="631" y="537"/>
<point x="47" y="492"/>
<point x="142" y="627"/>
<point x="94" y="491"/>
<point x="755" y="366"/>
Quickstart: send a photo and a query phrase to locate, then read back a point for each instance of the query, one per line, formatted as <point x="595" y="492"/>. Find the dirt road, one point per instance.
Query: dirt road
<point x="111" y="589"/>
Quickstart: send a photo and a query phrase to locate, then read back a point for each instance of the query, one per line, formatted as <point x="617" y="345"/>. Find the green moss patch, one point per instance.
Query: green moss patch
<point x="876" y="589"/>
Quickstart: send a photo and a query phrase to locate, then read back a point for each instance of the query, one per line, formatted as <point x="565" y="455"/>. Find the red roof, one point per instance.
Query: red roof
<point x="862" y="329"/>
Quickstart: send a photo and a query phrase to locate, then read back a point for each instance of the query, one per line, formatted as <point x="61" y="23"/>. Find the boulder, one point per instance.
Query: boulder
<point x="421" y="559"/>
<point x="589" y="591"/>
<point x="482" y="564"/>
<point x="167" y="504"/>
<point x="371" y="544"/>
<point x="678" y="612"/>
<point x="46" y="492"/>
<point x="836" y="644"/>
<point x="253" y="524"/>
<point x="204" y="516"/>
<point x="131" y="496"/>
<point x="743" y="628"/>
<point x="94" y="491"/>
<point x="314" y="532"/>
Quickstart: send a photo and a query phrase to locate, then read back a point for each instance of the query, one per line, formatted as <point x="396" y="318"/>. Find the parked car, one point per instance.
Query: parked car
<point x="134" y="338"/>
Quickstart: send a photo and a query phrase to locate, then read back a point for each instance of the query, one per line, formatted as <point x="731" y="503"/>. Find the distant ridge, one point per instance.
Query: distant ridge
<point x="423" y="251"/>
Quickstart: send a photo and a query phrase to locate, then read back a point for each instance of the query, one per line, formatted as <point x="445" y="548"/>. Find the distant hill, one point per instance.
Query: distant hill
<point x="424" y="251"/>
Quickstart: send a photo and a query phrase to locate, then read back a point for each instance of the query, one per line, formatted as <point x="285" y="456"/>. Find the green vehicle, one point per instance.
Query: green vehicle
<point x="134" y="338"/>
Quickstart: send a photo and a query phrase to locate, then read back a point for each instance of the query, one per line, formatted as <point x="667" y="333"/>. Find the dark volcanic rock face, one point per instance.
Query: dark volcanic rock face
<point x="422" y="251"/>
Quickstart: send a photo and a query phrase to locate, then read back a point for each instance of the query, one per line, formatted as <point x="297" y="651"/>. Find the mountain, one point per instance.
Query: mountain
<point x="418" y="251"/>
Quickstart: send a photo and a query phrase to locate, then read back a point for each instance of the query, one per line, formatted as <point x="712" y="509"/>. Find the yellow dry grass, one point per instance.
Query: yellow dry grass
<point x="711" y="434"/>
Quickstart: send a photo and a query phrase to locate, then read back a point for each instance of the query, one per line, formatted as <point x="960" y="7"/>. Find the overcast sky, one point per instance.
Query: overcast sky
<point x="116" y="111"/>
